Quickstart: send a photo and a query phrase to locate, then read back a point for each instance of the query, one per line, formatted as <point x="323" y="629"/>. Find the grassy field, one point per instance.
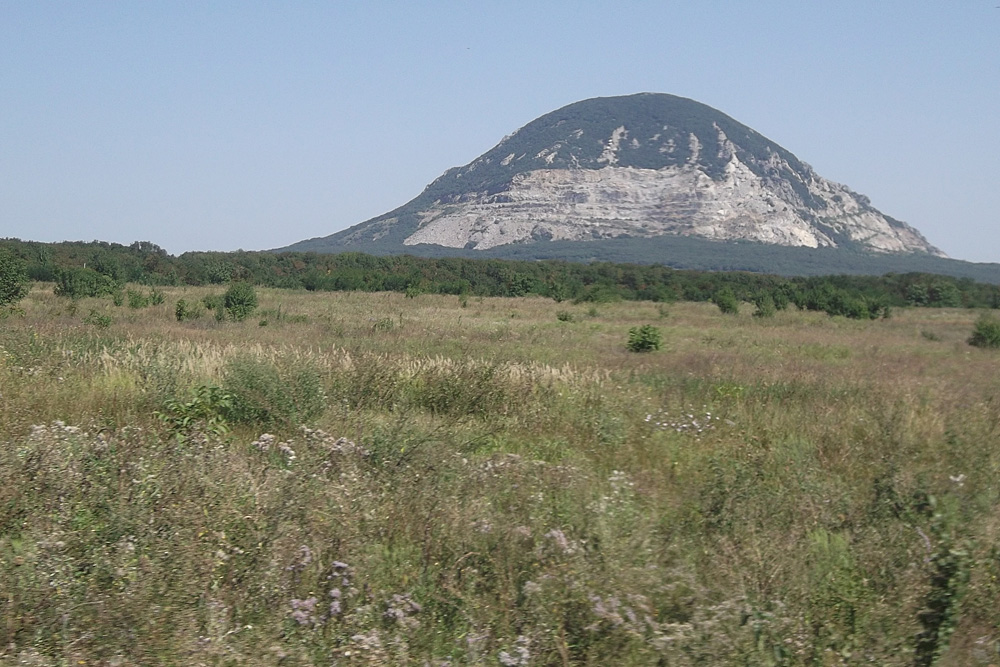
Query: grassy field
<point x="351" y="478"/>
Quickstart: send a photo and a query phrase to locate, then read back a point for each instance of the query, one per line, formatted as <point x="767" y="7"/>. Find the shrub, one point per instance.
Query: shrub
<point x="264" y="392"/>
<point x="726" y="301"/>
<point x="384" y="324"/>
<point x="240" y="300"/>
<point x="644" y="339"/>
<point x="212" y="301"/>
<point x="986" y="333"/>
<point x="187" y="311"/>
<point x="564" y="316"/>
<point x="205" y="410"/>
<point x="13" y="280"/>
<point x="137" y="299"/>
<point x="156" y="297"/>
<point x="77" y="283"/>
<point x="97" y="319"/>
<point x="765" y="306"/>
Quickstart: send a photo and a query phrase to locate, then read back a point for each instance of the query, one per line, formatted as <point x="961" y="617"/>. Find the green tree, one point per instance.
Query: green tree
<point x="765" y="305"/>
<point x="240" y="300"/>
<point x="13" y="280"/>
<point x="726" y="301"/>
<point x="644" y="339"/>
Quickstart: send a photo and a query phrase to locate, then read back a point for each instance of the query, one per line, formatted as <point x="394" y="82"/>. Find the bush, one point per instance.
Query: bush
<point x="264" y="392"/>
<point x="13" y="280"/>
<point x="206" y="410"/>
<point x="137" y="299"/>
<point x="240" y="300"/>
<point x="97" y="319"/>
<point x="212" y="301"/>
<point x="765" y="306"/>
<point x="184" y="311"/>
<point x="564" y="316"/>
<point x="726" y="301"/>
<point x="986" y="333"/>
<point x="384" y="324"/>
<point x="77" y="283"/>
<point x="644" y="339"/>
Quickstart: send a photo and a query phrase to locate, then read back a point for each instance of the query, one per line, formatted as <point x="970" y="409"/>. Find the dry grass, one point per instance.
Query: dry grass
<point x="492" y="485"/>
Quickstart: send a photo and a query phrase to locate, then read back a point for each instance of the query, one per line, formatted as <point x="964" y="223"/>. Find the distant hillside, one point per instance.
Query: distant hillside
<point x="646" y="167"/>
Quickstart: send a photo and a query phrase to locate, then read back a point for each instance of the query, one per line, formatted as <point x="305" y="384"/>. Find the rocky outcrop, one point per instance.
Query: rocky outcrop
<point x="584" y="204"/>
<point x="637" y="166"/>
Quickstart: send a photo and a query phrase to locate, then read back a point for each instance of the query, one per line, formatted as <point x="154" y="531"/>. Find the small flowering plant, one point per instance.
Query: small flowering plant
<point x="690" y="421"/>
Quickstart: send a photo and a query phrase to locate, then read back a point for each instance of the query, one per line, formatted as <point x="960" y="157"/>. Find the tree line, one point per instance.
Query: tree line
<point x="97" y="268"/>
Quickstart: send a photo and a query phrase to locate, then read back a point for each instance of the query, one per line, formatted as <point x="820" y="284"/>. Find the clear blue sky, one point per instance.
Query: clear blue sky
<point x="224" y="125"/>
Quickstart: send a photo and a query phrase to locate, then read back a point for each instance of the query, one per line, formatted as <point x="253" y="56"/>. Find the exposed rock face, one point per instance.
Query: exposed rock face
<point x="639" y="166"/>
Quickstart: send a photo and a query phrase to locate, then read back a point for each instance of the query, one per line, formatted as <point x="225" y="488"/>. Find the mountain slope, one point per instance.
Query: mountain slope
<point x="643" y="166"/>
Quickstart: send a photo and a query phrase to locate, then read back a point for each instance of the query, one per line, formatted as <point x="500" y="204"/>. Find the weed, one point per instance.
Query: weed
<point x="384" y="324"/>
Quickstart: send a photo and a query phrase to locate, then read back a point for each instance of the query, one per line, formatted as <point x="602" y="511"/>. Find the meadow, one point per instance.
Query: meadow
<point x="366" y="478"/>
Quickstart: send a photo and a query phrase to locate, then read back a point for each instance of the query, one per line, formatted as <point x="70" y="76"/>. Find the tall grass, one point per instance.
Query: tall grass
<point x="484" y="483"/>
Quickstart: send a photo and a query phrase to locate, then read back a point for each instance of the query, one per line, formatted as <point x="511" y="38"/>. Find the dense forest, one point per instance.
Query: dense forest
<point x="95" y="268"/>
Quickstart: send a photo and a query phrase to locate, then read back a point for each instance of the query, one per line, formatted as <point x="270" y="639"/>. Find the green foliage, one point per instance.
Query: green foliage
<point x="99" y="320"/>
<point x="137" y="299"/>
<point x="213" y="302"/>
<point x="384" y="324"/>
<point x="765" y="305"/>
<point x="240" y="300"/>
<point x="986" y="332"/>
<point x="77" y="283"/>
<point x="726" y="301"/>
<point x="916" y="280"/>
<point x="13" y="280"/>
<point x="265" y="392"/>
<point x="646" y="338"/>
<point x="949" y="577"/>
<point x="564" y="316"/>
<point x="156" y="297"/>
<point x="185" y="311"/>
<point x="205" y="411"/>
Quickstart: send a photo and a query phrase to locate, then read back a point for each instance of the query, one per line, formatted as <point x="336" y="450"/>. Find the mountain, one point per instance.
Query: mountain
<point x="633" y="167"/>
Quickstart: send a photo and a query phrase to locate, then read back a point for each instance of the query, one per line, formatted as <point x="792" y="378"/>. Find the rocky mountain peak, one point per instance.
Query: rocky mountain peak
<point x="632" y="166"/>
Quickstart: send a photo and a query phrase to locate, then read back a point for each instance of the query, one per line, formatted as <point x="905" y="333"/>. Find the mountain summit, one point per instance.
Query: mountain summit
<point x="640" y="165"/>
